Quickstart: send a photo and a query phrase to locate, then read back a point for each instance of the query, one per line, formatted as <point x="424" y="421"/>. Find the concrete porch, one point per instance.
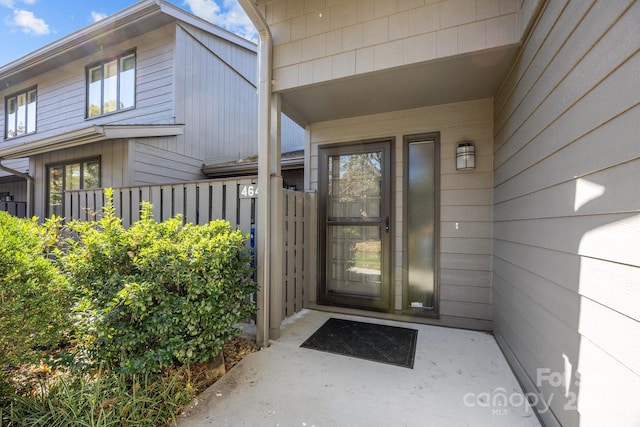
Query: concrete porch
<point x="460" y="378"/>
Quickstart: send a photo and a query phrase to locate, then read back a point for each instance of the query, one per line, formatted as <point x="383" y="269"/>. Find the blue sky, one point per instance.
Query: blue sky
<point x="26" y="25"/>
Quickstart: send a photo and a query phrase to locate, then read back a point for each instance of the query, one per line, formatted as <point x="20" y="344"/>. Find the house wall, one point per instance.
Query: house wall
<point x="465" y="251"/>
<point x="114" y="154"/>
<point x="155" y="161"/>
<point x="291" y="135"/>
<point x="566" y="269"/>
<point x="216" y="101"/>
<point x="222" y="76"/>
<point x="15" y="186"/>
<point x="62" y="91"/>
<point x="17" y="189"/>
<point x="319" y="40"/>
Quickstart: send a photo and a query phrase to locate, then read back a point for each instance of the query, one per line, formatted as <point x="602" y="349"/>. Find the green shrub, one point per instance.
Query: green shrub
<point x="106" y="399"/>
<point x="34" y="298"/>
<point x="158" y="293"/>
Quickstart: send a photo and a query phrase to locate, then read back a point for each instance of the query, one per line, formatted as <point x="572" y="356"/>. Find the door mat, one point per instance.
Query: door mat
<point x="378" y="343"/>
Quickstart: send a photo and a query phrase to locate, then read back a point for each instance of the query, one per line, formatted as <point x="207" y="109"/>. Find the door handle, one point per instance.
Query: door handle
<point x="386" y="225"/>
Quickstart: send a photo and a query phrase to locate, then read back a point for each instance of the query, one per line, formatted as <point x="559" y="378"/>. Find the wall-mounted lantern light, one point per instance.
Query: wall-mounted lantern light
<point x="465" y="156"/>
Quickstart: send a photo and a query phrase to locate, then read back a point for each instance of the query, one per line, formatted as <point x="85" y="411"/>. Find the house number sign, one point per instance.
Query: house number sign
<point x="249" y="191"/>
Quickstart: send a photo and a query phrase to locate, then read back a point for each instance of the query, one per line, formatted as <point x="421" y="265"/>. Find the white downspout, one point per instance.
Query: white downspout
<point x="30" y="183"/>
<point x="263" y="214"/>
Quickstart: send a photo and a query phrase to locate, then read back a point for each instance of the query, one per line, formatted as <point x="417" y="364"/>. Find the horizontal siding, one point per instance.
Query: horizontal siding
<point x="566" y="266"/>
<point x="156" y="163"/>
<point x="20" y="165"/>
<point x="61" y="92"/>
<point x="466" y="199"/>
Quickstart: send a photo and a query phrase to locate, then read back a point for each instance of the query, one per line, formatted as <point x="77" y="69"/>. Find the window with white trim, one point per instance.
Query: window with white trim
<point x="20" y="117"/>
<point x="111" y="85"/>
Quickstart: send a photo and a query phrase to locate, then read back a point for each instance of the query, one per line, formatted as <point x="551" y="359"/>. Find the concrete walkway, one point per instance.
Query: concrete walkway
<point x="460" y="378"/>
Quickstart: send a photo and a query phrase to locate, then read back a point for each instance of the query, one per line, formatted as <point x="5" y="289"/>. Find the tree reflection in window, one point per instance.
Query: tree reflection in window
<point x="111" y="85"/>
<point x="70" y="176"/>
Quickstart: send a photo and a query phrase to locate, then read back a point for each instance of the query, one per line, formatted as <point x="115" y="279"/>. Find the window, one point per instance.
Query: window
<point x="78" y="175"/>
<point x="20" y="114"/>
<point x="111" y="85"/>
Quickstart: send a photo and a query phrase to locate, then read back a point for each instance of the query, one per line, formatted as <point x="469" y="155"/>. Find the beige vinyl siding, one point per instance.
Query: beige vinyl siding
<point x="114" y="159"/>
<point x="566" y="268"/>
<point x="317" y="40"/>
<point x="466" y="199"/>
<point x="62" y="91"/>
<point x="217" y="105"/>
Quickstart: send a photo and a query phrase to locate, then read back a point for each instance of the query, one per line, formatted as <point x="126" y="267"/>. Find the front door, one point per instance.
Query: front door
<point x="355" y="209"/>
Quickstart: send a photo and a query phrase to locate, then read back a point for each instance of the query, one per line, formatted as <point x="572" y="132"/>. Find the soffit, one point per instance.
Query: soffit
<point x="140" y="18"/>
<point x="466" y="77"/>
<point x="87" y="135"/>
<point x="79" y="47"/>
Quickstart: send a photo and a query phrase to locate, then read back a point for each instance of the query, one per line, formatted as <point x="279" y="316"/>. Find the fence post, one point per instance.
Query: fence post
<point x="310" y="248"/>
<point x="275" y="258"/>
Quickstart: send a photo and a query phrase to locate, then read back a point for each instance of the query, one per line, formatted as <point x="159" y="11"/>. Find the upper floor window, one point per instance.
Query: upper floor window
<point x="20" y="113"/>
<point x="111" y="85"/>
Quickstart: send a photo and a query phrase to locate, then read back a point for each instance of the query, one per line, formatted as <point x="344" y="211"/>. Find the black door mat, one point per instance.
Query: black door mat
<point x="379" y="343"/>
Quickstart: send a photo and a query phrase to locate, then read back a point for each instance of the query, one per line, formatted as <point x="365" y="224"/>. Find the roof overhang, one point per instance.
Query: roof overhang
<point x="142" y="17"/>
<point x="465" y="77"/>
<point x="88" y="135"/>
<point x="242" y="168"/>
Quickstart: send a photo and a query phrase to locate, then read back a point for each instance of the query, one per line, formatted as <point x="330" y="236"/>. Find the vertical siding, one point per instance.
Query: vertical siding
<point x="61" y="92"/>
<point x="466" y="199"/>
<point x="17" y="189"/>
<point x="114" y="173"/>
<point x="566" y="271"/>
<point x="291" y="135"/>
<point x="216" y="104"/>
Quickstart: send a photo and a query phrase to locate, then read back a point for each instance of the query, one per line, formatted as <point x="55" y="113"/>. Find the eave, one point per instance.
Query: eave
<point x="142" y="17"/>
<point x="88" y="135"/>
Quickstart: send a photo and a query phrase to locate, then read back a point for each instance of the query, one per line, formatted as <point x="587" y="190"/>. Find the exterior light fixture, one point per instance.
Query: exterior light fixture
<point x="465" y="156"/>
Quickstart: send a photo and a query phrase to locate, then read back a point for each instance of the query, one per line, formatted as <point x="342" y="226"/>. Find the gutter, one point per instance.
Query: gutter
<point x="265" y="49"/>
<point x="30" y="184"/>
<point x="86" y="135"/>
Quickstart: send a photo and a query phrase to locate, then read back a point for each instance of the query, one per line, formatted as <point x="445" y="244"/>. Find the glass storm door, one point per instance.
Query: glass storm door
<point x="355" y="223"/>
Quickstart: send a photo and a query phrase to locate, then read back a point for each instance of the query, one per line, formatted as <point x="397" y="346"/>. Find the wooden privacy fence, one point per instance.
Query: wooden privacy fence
<point x="18" y="209"/>
<point x="203" y="201"/>
<point x="199" y="202"/>
<point x="296" y="207"/>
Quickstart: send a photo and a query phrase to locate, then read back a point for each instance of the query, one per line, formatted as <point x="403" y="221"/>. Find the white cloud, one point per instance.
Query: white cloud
<point x="97" y="16"/>
<point x="11" y="3"/>
<point x="29" y="24"/>
<point x="230" y="16"/>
